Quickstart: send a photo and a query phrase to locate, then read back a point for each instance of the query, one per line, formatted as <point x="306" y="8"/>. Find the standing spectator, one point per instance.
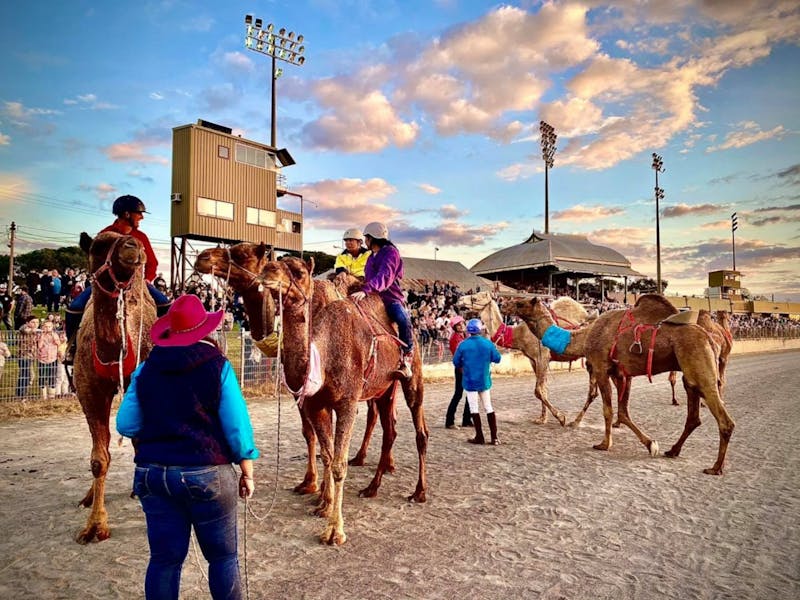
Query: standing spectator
<point x="23" y="308"/>
<point x="32" y="283"/>
<point x="475" y="355"/>
<point x="186" y="441"/>
<point x="4" y="354"/>
<point x="42" y="296"/>
<point x="458" y="336"/>
<point x="47" y="353"/>
<point x="67" y="281"/>
<point x="53" y="297"/>
<point x="62" y="381"/>
<point x="27" y="353"/>
<point x="6" y="306"/>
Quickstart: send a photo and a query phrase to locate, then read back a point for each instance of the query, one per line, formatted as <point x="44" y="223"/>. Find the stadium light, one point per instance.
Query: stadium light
<point x="547" y="137"/>
<point x="283" y="46"/>
<point x="658" y="167"/>
<point x="734" y="227"/>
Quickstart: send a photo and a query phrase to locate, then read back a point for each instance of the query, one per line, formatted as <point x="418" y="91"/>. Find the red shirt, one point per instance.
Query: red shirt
<point x="121" y="226"/>
<point x="455" y="340"/>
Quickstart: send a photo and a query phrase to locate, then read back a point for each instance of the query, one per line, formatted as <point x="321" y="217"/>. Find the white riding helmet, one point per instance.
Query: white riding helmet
<point x="354" y="233"/>
<point x="377" y="231"/>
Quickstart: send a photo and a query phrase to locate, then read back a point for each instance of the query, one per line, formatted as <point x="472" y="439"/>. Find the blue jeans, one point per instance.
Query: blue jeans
<point x="81" y="300"/>
<point x="174" y="500"/>
<point x="450" y="417"/>
<point x="397" y="312"/>
<point x="24" y="375"/>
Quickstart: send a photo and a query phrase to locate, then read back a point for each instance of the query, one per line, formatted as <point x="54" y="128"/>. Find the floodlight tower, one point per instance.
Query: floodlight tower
<point x="279" y="45"/>
<point x="658" y="167"/>
<point x="547" y="137"/>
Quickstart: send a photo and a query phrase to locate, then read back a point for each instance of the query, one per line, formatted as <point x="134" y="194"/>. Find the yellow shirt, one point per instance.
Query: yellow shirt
<point x="352" y="264"/>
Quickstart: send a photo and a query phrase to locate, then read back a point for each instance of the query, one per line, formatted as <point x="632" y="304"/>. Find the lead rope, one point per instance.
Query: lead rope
<point x="247" y="508"/>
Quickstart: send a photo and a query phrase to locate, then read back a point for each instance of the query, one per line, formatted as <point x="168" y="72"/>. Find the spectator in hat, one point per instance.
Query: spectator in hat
<point x="185" y="409"/>
<point x="457" y="325"/>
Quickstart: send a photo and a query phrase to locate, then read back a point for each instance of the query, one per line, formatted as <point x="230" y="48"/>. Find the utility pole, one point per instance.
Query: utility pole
<point x="11" y="235"/>
<point x="658" y="167"/>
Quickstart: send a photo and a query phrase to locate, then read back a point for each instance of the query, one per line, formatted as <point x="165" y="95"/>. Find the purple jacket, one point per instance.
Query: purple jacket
<point x="383" y="273"/>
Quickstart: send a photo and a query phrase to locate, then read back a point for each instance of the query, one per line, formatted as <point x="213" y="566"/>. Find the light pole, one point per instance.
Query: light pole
<point x="435" y="252"/>
<point x="658" y="167"/>
<point x="278" y="45"/>
<point x="547" y="137"/>
<point x="734" y="227"/>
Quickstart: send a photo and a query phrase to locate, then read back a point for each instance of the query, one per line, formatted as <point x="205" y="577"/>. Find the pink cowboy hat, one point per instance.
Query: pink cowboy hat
<point x="186" y="322"/>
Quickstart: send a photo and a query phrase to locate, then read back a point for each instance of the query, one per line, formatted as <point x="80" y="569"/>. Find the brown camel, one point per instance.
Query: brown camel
<point x="569" y="313"/>
<point x="720" y="332"/>
<point x="358" y="351"/>
<point x="106" y="345"/>
<point x="240" y="266"/>
<point x="618" y="346"/>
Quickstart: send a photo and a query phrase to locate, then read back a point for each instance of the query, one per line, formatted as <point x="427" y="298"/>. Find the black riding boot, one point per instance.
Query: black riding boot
<point x="493" y="428"/>
<point x="476" y="421"/>
<point x="72" y="322"/>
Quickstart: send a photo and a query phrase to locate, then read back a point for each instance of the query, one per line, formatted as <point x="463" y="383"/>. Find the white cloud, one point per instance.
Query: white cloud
<point x="749" y="133"/>
<point x="429" y="189"/>
<point x="156" y="96"/>
<point x="5" y="140"/>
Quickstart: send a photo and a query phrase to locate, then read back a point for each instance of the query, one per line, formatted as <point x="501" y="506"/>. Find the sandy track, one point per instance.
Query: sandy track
<point x="541" y="516"/>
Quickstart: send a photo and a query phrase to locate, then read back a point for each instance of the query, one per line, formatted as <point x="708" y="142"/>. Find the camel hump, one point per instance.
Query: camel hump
<point x="570" y="309"/>
<point x="686" y="317"/>
<point x="652" y="308"/>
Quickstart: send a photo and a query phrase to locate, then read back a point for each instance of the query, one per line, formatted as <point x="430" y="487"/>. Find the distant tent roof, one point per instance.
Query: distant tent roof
<point x="421" y="271"/>
<point x="566" y="253"/>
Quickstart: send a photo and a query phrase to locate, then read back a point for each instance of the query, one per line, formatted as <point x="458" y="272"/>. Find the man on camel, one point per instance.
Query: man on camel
<point x="129" y="211"/>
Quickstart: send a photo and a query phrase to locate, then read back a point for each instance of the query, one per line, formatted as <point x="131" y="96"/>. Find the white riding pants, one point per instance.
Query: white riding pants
<point x="486" y="399"/>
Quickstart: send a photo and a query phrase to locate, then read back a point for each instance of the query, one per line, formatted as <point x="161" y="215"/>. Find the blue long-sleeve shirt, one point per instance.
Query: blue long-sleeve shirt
<point x="236" y="426"/>
<point x="474" y="357"/>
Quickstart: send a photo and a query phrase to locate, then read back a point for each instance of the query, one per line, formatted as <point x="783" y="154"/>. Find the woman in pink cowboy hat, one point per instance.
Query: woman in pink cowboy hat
<point x="186" y="411"/>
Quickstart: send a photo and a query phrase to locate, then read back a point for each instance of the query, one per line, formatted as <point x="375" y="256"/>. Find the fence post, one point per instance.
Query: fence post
<point x="241" y="356"/>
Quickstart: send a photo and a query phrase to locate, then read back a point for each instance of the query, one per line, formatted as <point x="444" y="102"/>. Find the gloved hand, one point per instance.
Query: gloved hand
<point x="358" y="296"/>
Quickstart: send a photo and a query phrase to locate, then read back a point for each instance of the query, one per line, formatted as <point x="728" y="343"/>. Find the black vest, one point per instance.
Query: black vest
<point x="179" y="392"/>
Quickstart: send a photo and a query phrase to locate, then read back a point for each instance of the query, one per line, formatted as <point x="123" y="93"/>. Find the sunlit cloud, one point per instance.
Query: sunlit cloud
<point x="103" y="191"/>
<point x="429" y="189"/>
<point x="682" y="210"/>
<point x="5" y="140"/>
<point x="750" y="133"/>
<point x="580" y="213"/>
<point x="133" y="152"/>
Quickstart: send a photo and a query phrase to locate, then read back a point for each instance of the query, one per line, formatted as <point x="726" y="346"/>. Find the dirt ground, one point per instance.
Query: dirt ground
<point x="541" y="516"/>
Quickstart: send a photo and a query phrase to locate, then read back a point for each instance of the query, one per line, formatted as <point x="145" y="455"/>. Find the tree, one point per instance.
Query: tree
<point x="46" y="258"/>
<point x="646" y="285"/>
<point x="322" y="261"/>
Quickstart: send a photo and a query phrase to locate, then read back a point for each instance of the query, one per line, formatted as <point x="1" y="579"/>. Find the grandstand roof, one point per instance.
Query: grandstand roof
<point x="572" y="254"/>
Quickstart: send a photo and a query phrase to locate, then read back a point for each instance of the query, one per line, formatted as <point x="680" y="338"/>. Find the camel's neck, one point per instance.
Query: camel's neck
<point x="260" y="312"/>
<point x="577" y="342"/>
<point x="107" y="332"/>
<point x="491" y="317"/>
<point x="296" y="344"/>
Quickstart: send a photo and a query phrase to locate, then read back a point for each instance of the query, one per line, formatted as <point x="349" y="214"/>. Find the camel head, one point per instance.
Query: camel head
<point x="124" y="253"/>
<point x="534" y="312"/>
<point x="240" y="264"/>
<point x="475" y="302"/>
<point x="291" y="278"/>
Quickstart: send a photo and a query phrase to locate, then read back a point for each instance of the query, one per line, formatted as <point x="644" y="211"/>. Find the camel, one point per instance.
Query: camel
<point x="720" y="332"/>
<point x="108" y="346"/>
<point x="358" y="350"/>
<point x="241" y="265"/>
<point x="569" y="313"/>
<point x="627" y="343"/>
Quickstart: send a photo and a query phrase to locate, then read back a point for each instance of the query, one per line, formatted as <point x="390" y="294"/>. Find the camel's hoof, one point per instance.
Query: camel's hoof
<point x="322" y="510"/>
<point x="390" y="468"/>
<point x="331" y="537"/>
<point x="575" y="424"/>
<point x="418" y="497"/>
<point x="540" y="421"/>
<point x="653" y="448"/>
<point x="672" y="453"/>
<point x="713" y="471"/>
<point x="87" y="535"/>
<point x="356" y="461"/>
<point x="616" y="425"/>
<point x="368" y="492"/>
<point x="475" y="441"/>
<point x="601" y="446"/>
<point x="306" y="488"/>
<point x="561" y="419"/>
<point x="675" y="403"/>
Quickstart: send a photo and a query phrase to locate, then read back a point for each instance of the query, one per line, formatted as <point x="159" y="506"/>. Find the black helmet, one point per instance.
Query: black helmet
<point x="125" y="204"/>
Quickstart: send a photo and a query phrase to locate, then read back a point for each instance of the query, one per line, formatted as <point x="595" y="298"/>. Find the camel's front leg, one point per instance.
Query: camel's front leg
<point x="590" y="397"/>
<point x="672" y="379"/>
<point x="309" y="483"/>
<point x="334" y="532"/>
<point x="624" y="417"/>
<point x="541" y="369"/>
<point x="692" y="420"/>
<point x="604" y="386"/>
<point x="414" y="391"/>
<point x="386" y="409"/>
<point x="97" y="523"/>
<point x="321" y="420"/>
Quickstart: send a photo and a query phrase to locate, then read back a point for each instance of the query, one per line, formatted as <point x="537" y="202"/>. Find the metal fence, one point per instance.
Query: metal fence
<point x="24" y="379"/>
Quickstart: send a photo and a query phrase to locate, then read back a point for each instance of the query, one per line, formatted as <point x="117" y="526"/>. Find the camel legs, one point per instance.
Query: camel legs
<point x="386" y="410"/>
<point x="590" y="397"/>
<point x="672" y="379"/>
<point x="624" y="417"/>
<point x="541" y="369"/>
<point x="97" y="523"/>
<point x="361" y="455"/>
<point x="604" y="386"/>
<point x="414" y="393"/>
<point x="309" y="483"/>
<point x="322" y="422"/>
<point x="334" y="532"/>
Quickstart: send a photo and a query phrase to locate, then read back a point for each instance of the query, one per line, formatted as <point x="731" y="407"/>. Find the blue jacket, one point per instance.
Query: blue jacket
<point x="474" y="356"/>
<point x="185" y="407"/>
<point x="383" y="273"/>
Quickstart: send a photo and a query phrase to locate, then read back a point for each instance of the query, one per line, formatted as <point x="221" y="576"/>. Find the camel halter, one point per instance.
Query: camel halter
<point x="119" y="286"/>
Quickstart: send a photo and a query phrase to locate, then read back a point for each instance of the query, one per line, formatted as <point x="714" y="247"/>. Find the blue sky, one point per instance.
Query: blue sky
<point x="425" y="115"/>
